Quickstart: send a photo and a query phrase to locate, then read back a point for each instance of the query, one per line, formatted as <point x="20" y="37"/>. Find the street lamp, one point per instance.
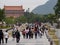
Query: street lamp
<point x="58" y="31"/>
<point x="59" y="19"/>
<point x="59" y="22"/>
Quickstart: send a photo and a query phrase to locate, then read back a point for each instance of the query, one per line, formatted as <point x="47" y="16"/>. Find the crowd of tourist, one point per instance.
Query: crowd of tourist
<point x="29" y="32"/>
<point x="34" y="31"/>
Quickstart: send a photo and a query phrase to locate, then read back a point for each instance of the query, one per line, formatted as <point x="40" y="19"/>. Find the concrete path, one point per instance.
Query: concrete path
<point x="38" y="41"/>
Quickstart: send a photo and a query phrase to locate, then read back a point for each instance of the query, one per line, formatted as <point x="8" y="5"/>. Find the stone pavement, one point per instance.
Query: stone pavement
<point x="38" y="41"/>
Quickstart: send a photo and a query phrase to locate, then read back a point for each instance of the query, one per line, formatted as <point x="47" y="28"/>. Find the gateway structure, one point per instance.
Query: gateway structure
<point x="13" y="11"/>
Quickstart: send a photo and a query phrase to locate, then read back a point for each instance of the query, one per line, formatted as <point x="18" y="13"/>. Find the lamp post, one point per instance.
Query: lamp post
<point x="59" y="23"/>
<point x="59" y="19"/>
<point x="59" y="32"/>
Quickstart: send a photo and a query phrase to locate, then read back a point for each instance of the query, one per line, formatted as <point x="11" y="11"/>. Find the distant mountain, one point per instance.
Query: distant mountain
<point x="46" y="8"/>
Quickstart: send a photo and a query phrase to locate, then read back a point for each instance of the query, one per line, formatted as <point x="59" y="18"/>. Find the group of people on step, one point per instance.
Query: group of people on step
<point x="36" y="30"/>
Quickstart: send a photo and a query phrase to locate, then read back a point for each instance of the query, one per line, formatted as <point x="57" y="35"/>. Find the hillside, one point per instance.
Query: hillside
<point x="46" y="8"/>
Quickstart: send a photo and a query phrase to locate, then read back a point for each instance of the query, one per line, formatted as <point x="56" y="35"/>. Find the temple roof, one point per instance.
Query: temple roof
<point x="13" y="7"/>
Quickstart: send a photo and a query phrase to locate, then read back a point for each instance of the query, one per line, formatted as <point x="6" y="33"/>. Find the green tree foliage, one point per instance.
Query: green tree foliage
<point x="22" y="19"/>
<point x="57" y="12"/>
<point x="31" y="18"/>
<point x="28" y="17"/>
<point x="50" y="18"/>
<point x="2" y="16"/>
<point x="9" y="20"/>
<point x="57" y="9"/>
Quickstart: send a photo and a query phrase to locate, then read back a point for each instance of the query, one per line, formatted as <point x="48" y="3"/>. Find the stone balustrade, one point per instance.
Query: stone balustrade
<point x="52" y="38"/>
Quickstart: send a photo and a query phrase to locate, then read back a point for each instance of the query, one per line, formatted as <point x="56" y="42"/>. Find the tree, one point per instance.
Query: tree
<point x="9" y="20"/>
<point x="29" y="16"/>
<point x="21" y="19"/>
<point x="57" y="12"/>
<point x="57" y="9"/>
<point x="2" y="16"/>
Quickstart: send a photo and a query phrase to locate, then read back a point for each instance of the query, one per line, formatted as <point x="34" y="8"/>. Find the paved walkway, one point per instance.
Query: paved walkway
<point x="38" y="41"/>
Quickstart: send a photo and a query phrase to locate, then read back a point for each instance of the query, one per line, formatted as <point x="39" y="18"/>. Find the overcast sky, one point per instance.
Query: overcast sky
<point x="26" y="3"/>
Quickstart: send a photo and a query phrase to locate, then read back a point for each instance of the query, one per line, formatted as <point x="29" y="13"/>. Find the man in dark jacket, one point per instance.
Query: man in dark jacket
<point x="1" y="36"/>
<point x="17" y="33"/>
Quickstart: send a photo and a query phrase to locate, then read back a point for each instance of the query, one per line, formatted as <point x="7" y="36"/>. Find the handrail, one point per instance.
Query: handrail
<point x="49" y="38"/>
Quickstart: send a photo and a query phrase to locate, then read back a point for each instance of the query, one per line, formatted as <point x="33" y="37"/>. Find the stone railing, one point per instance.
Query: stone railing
<point x="52" y="38"/>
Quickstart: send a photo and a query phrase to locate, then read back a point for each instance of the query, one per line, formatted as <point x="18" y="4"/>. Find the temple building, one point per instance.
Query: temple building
<point x="13" y="11"/>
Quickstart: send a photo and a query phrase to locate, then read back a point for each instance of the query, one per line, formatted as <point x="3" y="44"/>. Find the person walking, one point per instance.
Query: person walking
<point x="23" y="33"/>
<point x="17" y="33"/>
<point x="27" y="30"/>
<point x="13" y="34"/>
<point x="30" y="33"/>
<point x="36" y="31"/>
<point x="6" y="36"/>
<point x="39" y="32"/>
<point x="43" y="29"/>
<point x="1" y="37"/>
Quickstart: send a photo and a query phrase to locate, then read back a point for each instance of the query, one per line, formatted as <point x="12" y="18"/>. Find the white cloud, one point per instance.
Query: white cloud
<point x="26" y="3"/>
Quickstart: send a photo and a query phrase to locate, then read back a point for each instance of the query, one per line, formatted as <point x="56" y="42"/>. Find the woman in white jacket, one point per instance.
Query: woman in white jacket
<point x="6" y="36"/>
